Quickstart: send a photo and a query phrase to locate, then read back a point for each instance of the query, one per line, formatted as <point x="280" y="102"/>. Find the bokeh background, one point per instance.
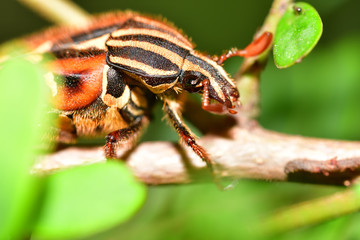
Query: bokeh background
<point x="320" y="97"/>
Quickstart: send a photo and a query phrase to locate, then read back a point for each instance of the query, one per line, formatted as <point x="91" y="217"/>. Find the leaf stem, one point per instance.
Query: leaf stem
<point x="59" y="11"/>
<point x="312" y="212"/>
<point x="248" y="77"/>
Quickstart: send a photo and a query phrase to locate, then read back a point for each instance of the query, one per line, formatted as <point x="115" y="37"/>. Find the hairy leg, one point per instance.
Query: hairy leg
<point x="171" y="109"/>
<point x="125" y="138"/>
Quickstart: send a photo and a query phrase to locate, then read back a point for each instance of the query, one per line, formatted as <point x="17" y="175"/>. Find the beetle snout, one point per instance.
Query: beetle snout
<point x="231" y="97"/>
<point x="226" y="95"/>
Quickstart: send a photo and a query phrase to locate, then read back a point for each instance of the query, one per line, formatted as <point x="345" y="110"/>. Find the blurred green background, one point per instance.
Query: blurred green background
<point x="318" y="97"/>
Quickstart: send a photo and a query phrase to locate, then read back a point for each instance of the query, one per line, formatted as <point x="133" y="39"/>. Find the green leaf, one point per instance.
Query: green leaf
<point x="357" y="189"/>
<point x="22" y="96"/>
<point x="88" y="199"/>
<point x="297" y="33"/>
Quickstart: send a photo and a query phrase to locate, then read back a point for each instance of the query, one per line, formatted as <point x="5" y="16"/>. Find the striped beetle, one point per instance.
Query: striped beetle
<point x="105" y="77"/>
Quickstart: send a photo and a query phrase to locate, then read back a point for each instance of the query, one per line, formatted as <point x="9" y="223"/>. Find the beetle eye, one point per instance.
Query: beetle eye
<point x="192" y="82"/>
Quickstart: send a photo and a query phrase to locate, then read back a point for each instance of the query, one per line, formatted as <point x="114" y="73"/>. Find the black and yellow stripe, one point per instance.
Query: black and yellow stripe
<point x="141" y="22"/>
<point x="160" y="57"/>
<point x="153" y="55"/>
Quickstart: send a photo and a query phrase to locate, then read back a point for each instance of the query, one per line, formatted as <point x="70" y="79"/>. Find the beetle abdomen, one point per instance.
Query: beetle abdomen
<point x="81" y="81"/>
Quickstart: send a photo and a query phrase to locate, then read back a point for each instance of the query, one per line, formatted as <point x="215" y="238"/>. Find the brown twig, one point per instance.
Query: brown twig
<point x="249" y="152"/>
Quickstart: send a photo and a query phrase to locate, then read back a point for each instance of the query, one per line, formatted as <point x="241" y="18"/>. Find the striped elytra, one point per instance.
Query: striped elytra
<point x="105" y="78"/>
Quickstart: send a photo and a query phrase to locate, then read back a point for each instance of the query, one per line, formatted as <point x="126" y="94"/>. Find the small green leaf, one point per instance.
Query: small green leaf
<point x="89" y="199"/>
<point x="297" y="33"/>
<point x="22" y="96"/>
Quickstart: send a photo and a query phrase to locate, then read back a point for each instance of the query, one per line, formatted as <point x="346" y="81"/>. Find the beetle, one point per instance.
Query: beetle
<point x="106" y="76"/>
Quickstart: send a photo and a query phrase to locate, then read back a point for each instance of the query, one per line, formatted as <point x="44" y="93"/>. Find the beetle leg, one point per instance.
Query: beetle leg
<point x="171" y="109"/>
<point x="184" y="133"/>
<point x="116" y="93"/>
<point x="258" y="46"/>
<point x="212" y="107"/>
<point x="123" y="138"/>
<point x="65" y="132"/>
